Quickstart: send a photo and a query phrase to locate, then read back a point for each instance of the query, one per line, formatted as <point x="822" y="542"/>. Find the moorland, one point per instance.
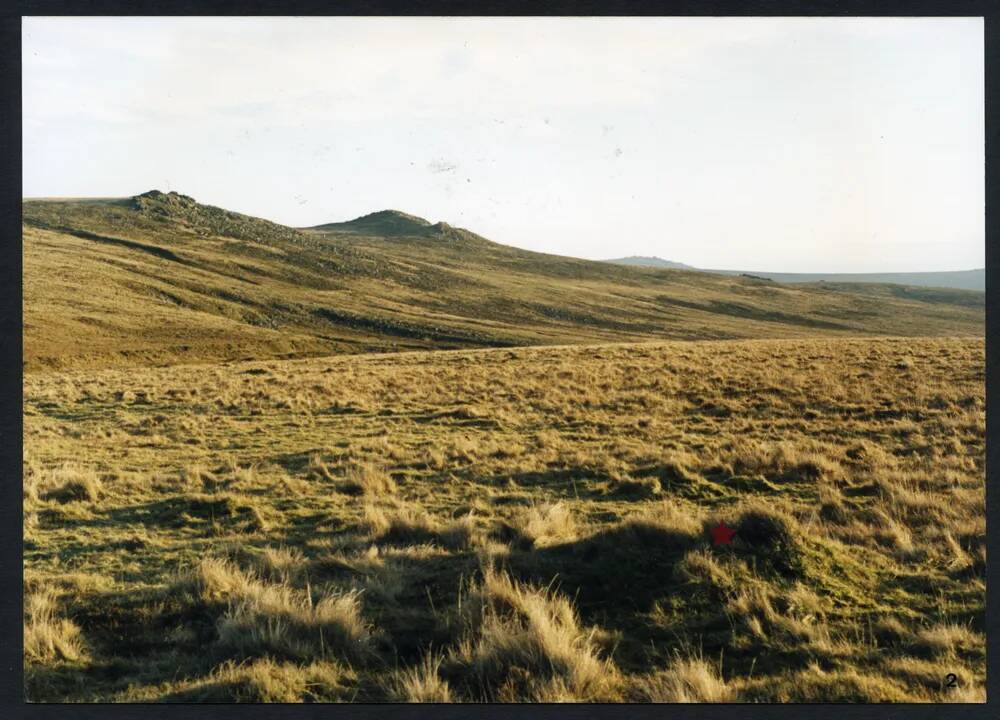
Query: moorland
<point x="390" y="460"/>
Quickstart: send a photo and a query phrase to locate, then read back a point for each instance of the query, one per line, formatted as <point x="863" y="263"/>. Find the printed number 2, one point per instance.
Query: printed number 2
<point x="951" y="680"/>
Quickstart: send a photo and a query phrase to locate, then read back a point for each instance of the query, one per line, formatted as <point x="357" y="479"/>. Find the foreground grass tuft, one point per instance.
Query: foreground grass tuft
<point x="688" y="680"/>
<point x="47" y="636"/>
<point x="526" y="643"/>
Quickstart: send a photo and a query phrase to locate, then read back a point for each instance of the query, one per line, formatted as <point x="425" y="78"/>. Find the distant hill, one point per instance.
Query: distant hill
<point x="958" y="279"/>
<point x="160" y="279"/>
<point x="643" y="261"/>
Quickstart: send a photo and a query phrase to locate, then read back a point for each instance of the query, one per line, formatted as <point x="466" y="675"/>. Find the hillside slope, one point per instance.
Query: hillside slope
<point x="160" y="279"/>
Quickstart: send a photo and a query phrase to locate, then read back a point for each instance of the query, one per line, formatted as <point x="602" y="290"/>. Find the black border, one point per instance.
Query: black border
<point x="12" y="704"/>
<point x="939" y="8"/>
<point x="11" y="644"/>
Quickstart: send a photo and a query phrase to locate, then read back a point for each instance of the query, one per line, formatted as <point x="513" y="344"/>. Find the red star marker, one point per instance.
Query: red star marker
<point x="722" y="535"/>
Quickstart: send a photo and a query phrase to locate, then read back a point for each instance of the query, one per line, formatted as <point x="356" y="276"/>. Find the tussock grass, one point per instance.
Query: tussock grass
<point x="701" y="567"/>
<point x="47" y="636"/>
<point x="263" y="680"/>
<point x="68" y="483"/>
<point x="275" y="618"/>
<point x="772" y="536"/>
<point x="241" y="512"/>
<point x="509" y="558"/>
<point x="280" y="564"/>
<point x="688" y="680"/>
<point x="215" y="579"/>
<point x="421" y="683"/>
<point x="669" y="518"/>
<point x="545" y="524"/>
<point x="198" y="477"/>
<point x="408" y="525"/>
<point x="526" y="643"/>
<point x="782" y="461"/>
<point x="946" y="639"/>
<point x="814" y="684"/>
<point x="638" y="487"/>
<point x="368" y="479"/>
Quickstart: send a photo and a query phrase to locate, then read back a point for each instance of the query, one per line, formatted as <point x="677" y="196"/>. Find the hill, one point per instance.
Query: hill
<point x="958" y="279"/>
<point x="159" y="279"/>
<point x="654" y="262"/>
<point x="384" y="222"/>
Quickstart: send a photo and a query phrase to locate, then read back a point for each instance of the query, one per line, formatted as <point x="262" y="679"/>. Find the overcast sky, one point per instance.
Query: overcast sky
<point x="809" y="145"/>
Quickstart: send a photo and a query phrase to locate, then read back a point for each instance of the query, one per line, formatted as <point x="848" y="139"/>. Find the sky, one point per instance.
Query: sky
<point x="772" y="144"/>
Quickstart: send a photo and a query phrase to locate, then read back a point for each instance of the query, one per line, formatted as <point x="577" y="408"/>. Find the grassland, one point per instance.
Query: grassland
<point x="501" y="524"/>
<point x="238" y="486"/>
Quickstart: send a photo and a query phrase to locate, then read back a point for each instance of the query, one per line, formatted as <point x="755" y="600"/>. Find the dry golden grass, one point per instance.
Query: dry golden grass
<point x="526" y="643"/>
<point x="67" y="483"/>
<point x="514" y="524"/>
<point x="369" y="479"/>
<point x="258" y="681"/>
<point x="273" y="620"/>
<point x="48" y="637"/>
<point x="545" y="524"/>
<point x="687" y="680"/>
<point x="275" y="617"/>
<point x="421" y="683"/>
